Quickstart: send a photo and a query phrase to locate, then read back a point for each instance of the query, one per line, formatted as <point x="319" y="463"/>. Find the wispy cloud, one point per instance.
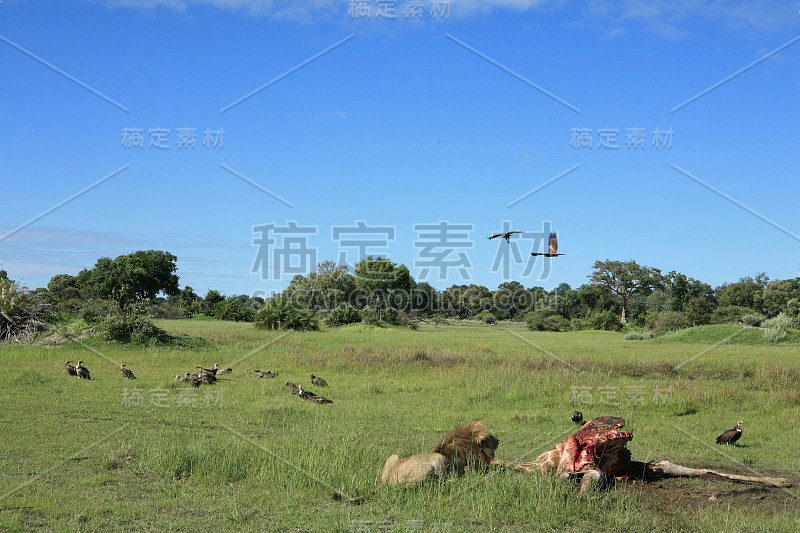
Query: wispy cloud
<point x="668" y="19"/>
<point x="331" y="115"/>
<point x="674" y="19"/>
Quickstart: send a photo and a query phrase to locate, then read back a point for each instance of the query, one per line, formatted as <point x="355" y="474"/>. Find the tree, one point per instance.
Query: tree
<point x="778" y="293"/>
<point x="376" y="278"/>
<point x="626" y="278"/>
<point x="747" y="292"/>
<point x="60" y="282"/>
<point x="510" y="299"/>
<point x="326" y="288"/>
<point x="209" y="304"/>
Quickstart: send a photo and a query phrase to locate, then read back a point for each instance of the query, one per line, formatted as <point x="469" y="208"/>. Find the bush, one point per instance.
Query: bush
<point x="793" y="308"/>
<point x="540" y="321"/>
<point x="370" y="316"/>
<point x="606" y="320"/>
<point x="343" y="314"/>
<point x="752" y="319"/>
<point x="670" y="321"/>
<point x="21" y="313"/>
<point x="781" y="321"/>
<point x="774" y="334"/>
<point x="579" y="324"/>
<point x="486" y="316"/>
<point x="134" y="325"/>
<point x="235" y="310"/>
<point x="639" y="335"/>
<point x="729" y="314"/>
<point x="279" y="313"/>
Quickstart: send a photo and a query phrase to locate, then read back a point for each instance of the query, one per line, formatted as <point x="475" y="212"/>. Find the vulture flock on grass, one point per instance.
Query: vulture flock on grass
<point x="208" y="376"/>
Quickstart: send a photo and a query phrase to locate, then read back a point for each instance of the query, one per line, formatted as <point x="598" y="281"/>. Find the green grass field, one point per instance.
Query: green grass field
<point x="154" y="455"/>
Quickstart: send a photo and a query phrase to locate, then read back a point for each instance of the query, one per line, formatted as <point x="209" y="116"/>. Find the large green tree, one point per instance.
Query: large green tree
<point x="376" y="278"/>
<point x="325" y="288"/>
<point x="626" y="278"/>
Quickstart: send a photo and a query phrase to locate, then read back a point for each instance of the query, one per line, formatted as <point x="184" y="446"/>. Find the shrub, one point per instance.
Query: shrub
<point x="729" y="314"/>
<point x="343" y="314"/>
<point x="793" y="308"/>
<point x="774" y="334"/>
<point x="606" y="320"/>
<point x="670" y="321"/>
<point x="540" y="321"/>
<point x="21" y="313"/>
<point x="486" y="316"/>
<point x="234" y="309"/>
<point x="781" y="321"/>
<point x="280" y="313"/>
<point x="134" y="325"/>
<point x="639" y="335"/>
<point x="752" y="319"/>
<point x="369" y="315"/>
<point x="579" y="324"/>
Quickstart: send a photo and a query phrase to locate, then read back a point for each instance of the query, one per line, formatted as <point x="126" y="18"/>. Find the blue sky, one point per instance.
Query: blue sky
<point x="450" y="115"/>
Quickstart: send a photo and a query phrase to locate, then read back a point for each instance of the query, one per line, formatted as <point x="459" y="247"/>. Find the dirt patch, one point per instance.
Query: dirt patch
<point x="673" y="496"/>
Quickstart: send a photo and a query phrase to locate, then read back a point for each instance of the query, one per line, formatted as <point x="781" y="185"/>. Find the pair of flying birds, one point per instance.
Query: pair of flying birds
<point x="552" y="249"/>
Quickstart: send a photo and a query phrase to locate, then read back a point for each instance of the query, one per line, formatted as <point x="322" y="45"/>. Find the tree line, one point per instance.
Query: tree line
<point x="380" y="290"/>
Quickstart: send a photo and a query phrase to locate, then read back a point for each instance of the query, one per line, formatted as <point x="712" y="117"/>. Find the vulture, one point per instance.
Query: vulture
<point x="259" y="373"/>
<point x="207" y="379"/>
<point x="212" y="371"/>
<point x="552" y="247"/>
<point x="318" y="381"/>
<point x="183" y="379"/>
<point x="222" y="370"/>
<point x="506" y="235"/>
<point x="732" y="435"/>
<point x="319" y="399"/>
<point x="83" y="372"/>
<point x="70" y="369"/>
<point x="308" y="395"/>
<point x="291" y="388"/>
<point x="577" y="417"/>
<point x="195" y="381"/>
<point x="126" y="372"/>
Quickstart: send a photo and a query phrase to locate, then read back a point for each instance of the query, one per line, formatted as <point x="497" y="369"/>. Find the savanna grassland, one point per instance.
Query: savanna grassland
<point x="154" y="455"/>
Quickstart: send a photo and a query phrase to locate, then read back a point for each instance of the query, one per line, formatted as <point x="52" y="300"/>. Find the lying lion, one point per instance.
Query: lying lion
<point x="470" y="445"/>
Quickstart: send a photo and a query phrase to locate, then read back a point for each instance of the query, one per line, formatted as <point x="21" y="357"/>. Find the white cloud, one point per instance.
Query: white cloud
<point x="669" y="19"/>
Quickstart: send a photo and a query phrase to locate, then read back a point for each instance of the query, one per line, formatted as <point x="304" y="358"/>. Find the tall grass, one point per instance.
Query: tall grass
<point x="255" y="458"/>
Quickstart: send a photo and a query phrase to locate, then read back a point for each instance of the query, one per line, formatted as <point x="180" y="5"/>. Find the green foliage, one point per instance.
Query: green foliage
<point x="606" y="320"/>
<point x="782" y="321"/>
<point x="639" y="335"/>
<point x="343" y="314"/>
<point x="22" y="315"/>
<point x="486" y="316"/>
<point x="134" y="325"/>
<point x="626" y="278"/>
<point x="730" y="314"/>
<point x="793" y="308"/>
<point x="670" y="321"/>
<point x="94" y="309"/>
<point x="752" y="319"/>
<point x="369" y="315"/>
<point x="327" y="288"/>
<point x="284" y="314"/>
<point x="747" y="292"/>
<point x="774" y="334"/>
<point x="543" y="320"/>
<point x="234" y="309"/>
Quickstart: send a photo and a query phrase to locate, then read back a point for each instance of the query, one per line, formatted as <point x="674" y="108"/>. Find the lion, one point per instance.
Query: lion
<point x="468" y="446"/>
